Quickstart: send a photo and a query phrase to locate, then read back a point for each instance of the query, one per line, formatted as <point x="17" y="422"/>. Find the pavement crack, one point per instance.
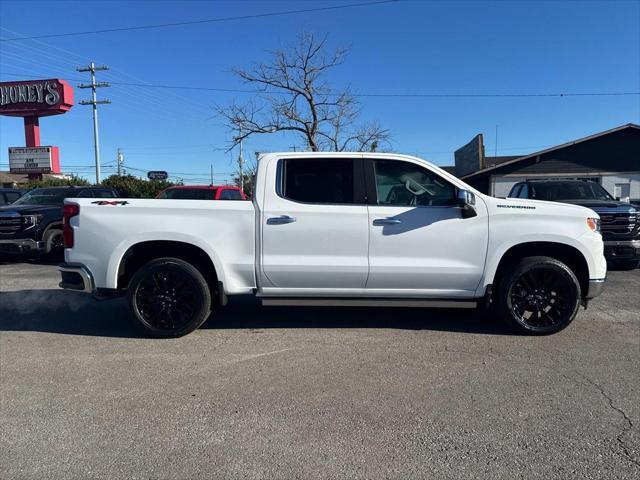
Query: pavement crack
<point x="628" y="423"/>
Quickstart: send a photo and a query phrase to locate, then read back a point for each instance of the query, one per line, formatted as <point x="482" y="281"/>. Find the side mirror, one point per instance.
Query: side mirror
<point x="466" y="201"/>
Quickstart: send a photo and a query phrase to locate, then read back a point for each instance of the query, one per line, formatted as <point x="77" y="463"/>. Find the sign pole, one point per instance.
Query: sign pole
<point x="32" y="131"/>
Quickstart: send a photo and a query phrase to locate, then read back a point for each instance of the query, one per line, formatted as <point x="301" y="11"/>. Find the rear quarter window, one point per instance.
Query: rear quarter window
<point x="230" y="194"/>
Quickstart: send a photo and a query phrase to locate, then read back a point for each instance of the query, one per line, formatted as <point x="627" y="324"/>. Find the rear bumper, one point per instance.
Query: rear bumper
<point x="595" y="288"/>
<point x="622" y="250"/>
<point x="76" y="276"/>
<point x="21" y="245"/>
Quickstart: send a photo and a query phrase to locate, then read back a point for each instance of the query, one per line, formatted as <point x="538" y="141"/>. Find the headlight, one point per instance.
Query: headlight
<point x="29" y="221"/>
<point x="594" y="225"/>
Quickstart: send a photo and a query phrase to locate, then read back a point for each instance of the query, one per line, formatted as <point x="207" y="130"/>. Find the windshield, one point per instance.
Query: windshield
<point x="43" y="196"/>
<point x="189" y="194"/>
<point x="558" y="191"/>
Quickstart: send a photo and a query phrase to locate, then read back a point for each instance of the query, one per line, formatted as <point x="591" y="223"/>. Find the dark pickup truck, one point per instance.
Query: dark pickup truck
<point x="620" y="221"/>
<point x="33" y="223"/>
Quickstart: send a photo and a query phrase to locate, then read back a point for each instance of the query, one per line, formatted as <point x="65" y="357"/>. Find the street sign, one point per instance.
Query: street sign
<point x="34" y="160"/>
<point x="157" y="175"/>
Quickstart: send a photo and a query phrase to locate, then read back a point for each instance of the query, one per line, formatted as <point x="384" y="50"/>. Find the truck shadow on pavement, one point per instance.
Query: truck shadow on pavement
<point x="58" y="311"/>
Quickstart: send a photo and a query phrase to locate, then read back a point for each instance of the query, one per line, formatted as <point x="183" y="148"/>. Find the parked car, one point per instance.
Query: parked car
<point x="323" y="229"/>
<point x="620" y="220"/>
<point x="202" y="192"/>
<point x="33" y="223"/>
<point x="9" y="195"/>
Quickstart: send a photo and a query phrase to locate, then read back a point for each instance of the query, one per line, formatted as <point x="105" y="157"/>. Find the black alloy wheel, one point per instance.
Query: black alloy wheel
<point x="540" y="296"/>
<point x="169" y="297"/>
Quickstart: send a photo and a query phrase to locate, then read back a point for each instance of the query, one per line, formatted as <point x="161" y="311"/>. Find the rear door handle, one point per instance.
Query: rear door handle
<point x="386" y="221"/>
<point x="281" y="220"/>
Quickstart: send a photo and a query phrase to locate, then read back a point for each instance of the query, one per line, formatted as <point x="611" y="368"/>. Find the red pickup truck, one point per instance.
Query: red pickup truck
<point x="203" y="192"/>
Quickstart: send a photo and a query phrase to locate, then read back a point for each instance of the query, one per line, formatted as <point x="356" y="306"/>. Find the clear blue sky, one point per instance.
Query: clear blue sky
<point x="404" y="47"/>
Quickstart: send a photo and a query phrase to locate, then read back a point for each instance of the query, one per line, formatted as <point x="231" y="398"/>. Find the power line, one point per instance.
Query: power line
<point x="373" y="95"/>
<point x="197" y="22"/>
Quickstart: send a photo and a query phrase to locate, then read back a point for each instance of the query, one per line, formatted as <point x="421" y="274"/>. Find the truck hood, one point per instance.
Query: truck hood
<point x="601" y="204"/>
<point x="539" y="206"/>
<point x="29" y="209"/>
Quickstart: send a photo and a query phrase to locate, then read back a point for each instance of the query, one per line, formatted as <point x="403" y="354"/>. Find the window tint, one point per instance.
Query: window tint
<point x="403" y="183"/>
<point x="559" y="191"/>
<point x="45" y="196"/>
<point x="104" y="194"/>
<point x="318" y="181"/>
<point x="229" y="194"/>
<point x="524" y="193"/>
<point x="515" y="191"/>
<point x="11" y="196"/>
<point x="3" y="200"/>
<point x="190" y="194"/>
<point x="85" y="194"/>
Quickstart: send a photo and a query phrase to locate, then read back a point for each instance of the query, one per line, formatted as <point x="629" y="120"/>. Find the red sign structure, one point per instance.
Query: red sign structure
<point x="32" y="99"/>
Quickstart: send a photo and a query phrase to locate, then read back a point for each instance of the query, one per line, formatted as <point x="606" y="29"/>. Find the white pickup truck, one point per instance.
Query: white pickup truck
<point x="338" y="229"/>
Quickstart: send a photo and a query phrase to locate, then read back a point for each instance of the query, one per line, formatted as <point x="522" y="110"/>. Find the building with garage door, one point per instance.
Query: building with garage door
<point x="611" y="158"/>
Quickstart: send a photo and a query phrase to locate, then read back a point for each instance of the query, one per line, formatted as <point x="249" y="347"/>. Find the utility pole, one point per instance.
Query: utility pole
<point x="94" y="101"/>
<point x="211" y="173"/>
<point x="120" y="161"/>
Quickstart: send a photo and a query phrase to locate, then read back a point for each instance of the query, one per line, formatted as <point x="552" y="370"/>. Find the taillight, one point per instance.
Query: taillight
<point x="68" y="212"/>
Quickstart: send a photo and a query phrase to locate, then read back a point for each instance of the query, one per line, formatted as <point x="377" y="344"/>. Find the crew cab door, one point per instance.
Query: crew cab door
<point x="315" y="226"/>
<point x="420" y="244"/>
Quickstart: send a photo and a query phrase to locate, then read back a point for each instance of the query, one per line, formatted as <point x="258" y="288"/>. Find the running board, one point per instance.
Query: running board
<point x="363" y="302"/>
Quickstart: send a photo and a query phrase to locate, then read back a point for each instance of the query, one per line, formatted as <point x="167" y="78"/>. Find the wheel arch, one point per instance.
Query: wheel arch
<point x="567" y="254"/>
<point x="139" y="253"/>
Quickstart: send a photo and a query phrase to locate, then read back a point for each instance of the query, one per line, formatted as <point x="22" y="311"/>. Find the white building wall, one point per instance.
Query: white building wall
<point x="609" y="183"/>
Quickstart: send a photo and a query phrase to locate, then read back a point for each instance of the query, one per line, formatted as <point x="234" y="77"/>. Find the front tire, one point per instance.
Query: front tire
<point x="169" y="298"/>
<point x="539" y="296"/>
<point x="54" y="244"/>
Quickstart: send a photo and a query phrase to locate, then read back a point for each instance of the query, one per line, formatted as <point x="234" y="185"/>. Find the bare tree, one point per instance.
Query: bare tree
<point x="294" y="96"/>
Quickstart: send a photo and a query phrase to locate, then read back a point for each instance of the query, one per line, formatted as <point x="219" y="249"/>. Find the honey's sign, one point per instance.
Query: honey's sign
<point x="36" y="98"/>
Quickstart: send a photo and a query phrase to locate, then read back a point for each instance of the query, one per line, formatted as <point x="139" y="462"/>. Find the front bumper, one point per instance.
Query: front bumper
<point x="21" y="245"/>
<point x="76" y="276"/>
<point x="622" y="250"/>
<point x="595" y="288"/>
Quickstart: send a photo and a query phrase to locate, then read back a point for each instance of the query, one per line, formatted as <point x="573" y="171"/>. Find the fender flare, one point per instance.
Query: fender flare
<point x="120" y="250"/>
<point x="498" y="253"/>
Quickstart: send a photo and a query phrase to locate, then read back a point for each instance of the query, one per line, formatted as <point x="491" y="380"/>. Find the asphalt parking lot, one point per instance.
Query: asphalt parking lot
<point x="323" y="393"/>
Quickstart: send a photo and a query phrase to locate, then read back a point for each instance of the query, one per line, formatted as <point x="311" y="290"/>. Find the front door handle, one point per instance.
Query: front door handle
<point x="386" y="221"/>
<point x="281" y="220"/>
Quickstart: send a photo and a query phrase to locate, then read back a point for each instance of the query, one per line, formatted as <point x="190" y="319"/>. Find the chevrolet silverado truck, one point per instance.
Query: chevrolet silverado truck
<point x="32" y="224"/>
<point x="345" y="229"/>
<point x="620" y="220"/>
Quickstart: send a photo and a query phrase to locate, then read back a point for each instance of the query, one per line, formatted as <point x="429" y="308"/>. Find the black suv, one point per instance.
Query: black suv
<point x="620" y="220"/>
<point x="33" y="223"/>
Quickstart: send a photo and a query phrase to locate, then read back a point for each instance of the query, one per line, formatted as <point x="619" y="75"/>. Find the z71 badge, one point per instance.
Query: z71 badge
<point x="110" y="202"/>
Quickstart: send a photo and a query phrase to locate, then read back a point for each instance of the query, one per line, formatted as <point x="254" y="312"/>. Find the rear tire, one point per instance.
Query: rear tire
<point x="169" y="298"/>
<point x="539" y="296"/>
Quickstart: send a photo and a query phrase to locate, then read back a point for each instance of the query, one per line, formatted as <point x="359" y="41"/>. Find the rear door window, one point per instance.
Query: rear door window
<point x="326" y="181"/>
